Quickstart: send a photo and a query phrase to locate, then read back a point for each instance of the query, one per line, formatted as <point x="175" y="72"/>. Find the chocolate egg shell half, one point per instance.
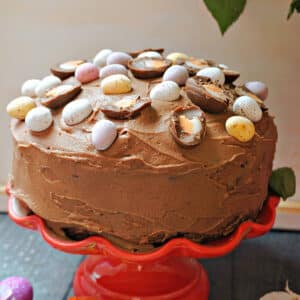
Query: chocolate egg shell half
<point x="208" y="96"/>
<point x="188" y="125"/>
<point x="61" y="94"/>
<point x="230" y="75"/>
<point x="66" y="69"/>
<point x="193" y="65"/>
<point x="134" y="54"/>
<point x="126" y="108"/>
<point x="146" y="67"/>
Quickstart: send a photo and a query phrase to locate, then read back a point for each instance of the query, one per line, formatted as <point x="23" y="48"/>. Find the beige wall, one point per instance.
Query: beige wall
<point x="262" y="45"/>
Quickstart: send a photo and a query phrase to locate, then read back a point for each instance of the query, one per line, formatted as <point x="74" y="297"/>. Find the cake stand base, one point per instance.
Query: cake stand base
<point x="107" y="278"/>
<point x="167" y="273"/>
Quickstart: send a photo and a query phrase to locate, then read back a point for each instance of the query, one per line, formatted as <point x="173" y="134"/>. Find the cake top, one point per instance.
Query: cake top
<point x="142" y="109"/>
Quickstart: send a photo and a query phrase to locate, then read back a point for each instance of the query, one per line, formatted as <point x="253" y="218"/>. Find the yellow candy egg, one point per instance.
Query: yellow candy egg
<point x="240" y="128"/>
<point x="177" y="57"/>
<point x="19" y="107"/>
<point x="116" y="84"/>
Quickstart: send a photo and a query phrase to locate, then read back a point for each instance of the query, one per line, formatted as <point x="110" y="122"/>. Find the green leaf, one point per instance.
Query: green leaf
<point x="283" y="182"/>
<point x="225" y="12"/>
<point x="295" y="5"/>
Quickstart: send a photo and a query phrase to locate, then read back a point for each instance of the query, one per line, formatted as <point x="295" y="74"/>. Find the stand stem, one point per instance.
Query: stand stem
<point x="173" y="278"/>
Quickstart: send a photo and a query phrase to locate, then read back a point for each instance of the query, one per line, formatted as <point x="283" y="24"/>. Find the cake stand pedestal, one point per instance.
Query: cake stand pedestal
<point x="169" y="272"/>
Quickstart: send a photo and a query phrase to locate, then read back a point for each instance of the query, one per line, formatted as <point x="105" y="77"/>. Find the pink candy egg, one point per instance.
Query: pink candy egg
<point x="16" y="288"/>
<point x="86" y="72"/>
<point x="121" y="58"/>
<point x="176" y="73"/>
<point x="258" y="88"/>
<point x="113" y="69"/>
<point x="104" y="133"/>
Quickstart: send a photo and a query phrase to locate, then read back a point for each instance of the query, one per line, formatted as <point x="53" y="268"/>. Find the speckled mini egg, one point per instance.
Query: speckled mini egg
<point x="176" y="73"/>
<point x="104" y="134"/>
<point x="165" y="91"/>
<point x="76" y="111"/>
<point x="46" y="84"/>
<point x="112" y="69"/>
<point x="19" y="107"/>
<point x="121" y="58"/>
<point x="216" y="75"/>
<point x="151" y="54"/>
<point x="101" y="57"/>
<point x="86" y="72"/>
<point x="39" y="119"/>
<point x="247" y="107"/>
<point x="116" y="84"/>
<point x="258" y="88"/>
<point x="29" y="86"/>
<point x="16" y="288"/>
<point x="177" y="57"/>
<point x="240" y="128"/>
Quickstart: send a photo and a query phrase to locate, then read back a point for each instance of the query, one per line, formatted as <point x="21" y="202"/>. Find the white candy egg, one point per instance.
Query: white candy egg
<point x="39" y="119"/>
<point x="165" y="91"/>
<point x="46" y="84"/>
<point x="101" y="57"/>
<point x="216" y="75"/>
<point x="151" y="54"/>
<point x="76" y="111"/>
<point x="29" y="86"/>
<point x="104" y="133"/>
<point x="247" y="107"/>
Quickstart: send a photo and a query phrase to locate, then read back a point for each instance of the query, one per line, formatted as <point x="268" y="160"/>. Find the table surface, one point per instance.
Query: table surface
<point x="258" y="266"/>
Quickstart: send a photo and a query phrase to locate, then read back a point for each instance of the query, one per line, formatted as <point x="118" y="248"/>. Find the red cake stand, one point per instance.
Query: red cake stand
<point x="168" y="272"/>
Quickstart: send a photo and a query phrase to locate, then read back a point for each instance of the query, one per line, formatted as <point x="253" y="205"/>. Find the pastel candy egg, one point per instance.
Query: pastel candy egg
<point x="247" y="107"/>
<point x="76" y="111"/>
<point x="104" y="133"/>
<point x="101" y="57"/>
<point x="29" y="86"/>
<point x="86" y="72"/>
<point x="177" y="57"/>
<point x="116" y="84"/>
<point x="240" y="128"/>
<point x="46" y="84"/>
<point x="223" y="66"/>
<point x="121" y="58"/>
<point x="113" y="69"/>
<point x="16" y="288"/>
<point x="151" y="54"/>
<point x="176" y="73"/>
<point x="39" y="119"/>
<point x="165" y="91"/>
<point x="258" y="88"/>
<point x="216" y="75"/>
<point x="19" y="107"/>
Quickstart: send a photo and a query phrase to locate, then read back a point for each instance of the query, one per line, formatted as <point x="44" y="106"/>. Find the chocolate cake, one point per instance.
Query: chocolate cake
<point x="158" y="147"/>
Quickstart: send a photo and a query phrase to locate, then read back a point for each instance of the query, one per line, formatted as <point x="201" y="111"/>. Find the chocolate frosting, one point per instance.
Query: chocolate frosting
<point x="145" y="189"/>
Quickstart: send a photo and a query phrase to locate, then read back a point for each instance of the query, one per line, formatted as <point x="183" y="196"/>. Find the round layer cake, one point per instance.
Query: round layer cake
<point x="168" y="164"/>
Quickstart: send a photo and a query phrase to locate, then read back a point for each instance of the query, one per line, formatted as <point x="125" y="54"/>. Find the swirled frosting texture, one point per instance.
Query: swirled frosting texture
<point x="145" y="189"/>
